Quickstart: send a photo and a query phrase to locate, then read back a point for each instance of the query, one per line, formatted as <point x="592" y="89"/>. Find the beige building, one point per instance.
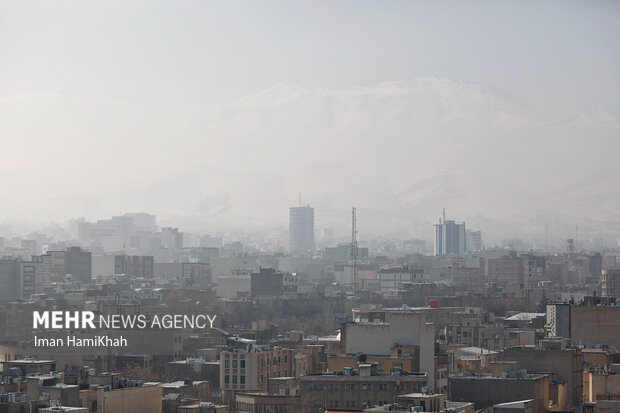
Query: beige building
<point x="385" y="364"/>
<point x="595" y="324"/>
<point x="610" y="283"/>
<point x="472" y="359"/>
<point x="485" y="391"/>
<point x="553" y="356"/>
<point x="601" y="384"/>
<point x="377" y="331"/>
<point x="248" y="367"/>
<point x="145" y="399"/>
<point x="265" y="403"/>
<point x="354" y="390"/>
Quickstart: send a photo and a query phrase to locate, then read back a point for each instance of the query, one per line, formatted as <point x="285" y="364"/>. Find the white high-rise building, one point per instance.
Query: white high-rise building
<point x="301" y="230"/>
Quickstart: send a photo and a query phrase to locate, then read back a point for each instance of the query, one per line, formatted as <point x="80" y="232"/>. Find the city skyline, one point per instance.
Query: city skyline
<point x="456" y="248"/>
<point x="413" y="107"/>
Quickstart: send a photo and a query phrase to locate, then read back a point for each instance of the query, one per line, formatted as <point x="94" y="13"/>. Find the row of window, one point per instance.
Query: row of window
<point x="332" y="387"/>
<point x="227" y="379"/>
<point x="269" y="408"/>
<point x="335" y="404"/>
<point x="274" y="360"/>
<point x="275" y="374"/>
<point x="234" y="364"/>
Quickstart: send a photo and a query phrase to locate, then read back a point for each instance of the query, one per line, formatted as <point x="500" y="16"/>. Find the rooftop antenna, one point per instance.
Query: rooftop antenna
<point x="444" y="215"/>
<point x="354" y="249"/>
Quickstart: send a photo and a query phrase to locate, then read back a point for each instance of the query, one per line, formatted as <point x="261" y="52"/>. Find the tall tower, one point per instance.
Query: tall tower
<point x="301" y="230"/>
<point x="450" y="237"/>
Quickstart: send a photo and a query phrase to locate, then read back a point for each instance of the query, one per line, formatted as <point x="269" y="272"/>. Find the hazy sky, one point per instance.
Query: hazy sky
<point x="169" y="107"/>
<point x="563" y="54"/>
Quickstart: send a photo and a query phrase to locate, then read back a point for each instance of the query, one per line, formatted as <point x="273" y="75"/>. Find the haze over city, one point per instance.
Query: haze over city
<point x="310" y="206"/>
<point x="217" y="115"/>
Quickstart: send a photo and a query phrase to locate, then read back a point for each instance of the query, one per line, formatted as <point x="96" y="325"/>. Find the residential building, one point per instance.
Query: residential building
<point x="78" y="263"/>
<point x="376" y="332"/>
<point x="390" y="279"/>
<point x="553" y="356"/>
<point x="610" y="283"/>
<point x="245" y="366"/>
<point x="356" y="389"/>
<point x="485" y="391"/>
<point x="249" y="402"/>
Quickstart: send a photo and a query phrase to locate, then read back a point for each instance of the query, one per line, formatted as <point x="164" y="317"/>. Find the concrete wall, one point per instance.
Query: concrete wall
<point x="10" y="280"/>
<point x="404" y="329"/>
<point x="234" y="286"/>
<point x="133" y="400"/>
<point x="595" y="325"/>
<point x="566" y="363"/>
<point x="600" y="385"/>
<point x="486" y="391"/>
<point x="267" y="284"/>
<point x="168" y="270"/>
<point x="102" y="265"/>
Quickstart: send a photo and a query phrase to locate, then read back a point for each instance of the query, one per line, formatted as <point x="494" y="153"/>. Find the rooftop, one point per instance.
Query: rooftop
<point x="29" y="361"/>
<point x="525" y="316"/>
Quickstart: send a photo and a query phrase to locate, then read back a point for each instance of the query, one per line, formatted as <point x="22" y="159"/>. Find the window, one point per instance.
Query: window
<point x="242" y="364"/>
<point x="234" y="379"/>
<point x="241" y="379"/>
<point x="350" y="403"/>
<point x="366" y="387"/>
<point x="234" y="364"/>
<point x="226" y="379"/>
<point x="351" y="387"/>
<point x="285" y="358"/>
<point x="226" y="363"/>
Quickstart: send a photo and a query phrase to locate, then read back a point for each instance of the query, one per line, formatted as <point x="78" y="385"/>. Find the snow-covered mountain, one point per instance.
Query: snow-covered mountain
<point x="400" y="151"/>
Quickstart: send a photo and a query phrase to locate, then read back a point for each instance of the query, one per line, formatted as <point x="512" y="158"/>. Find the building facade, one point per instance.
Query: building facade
<point x="450" y="238"/>
<point x="301" y="230"/>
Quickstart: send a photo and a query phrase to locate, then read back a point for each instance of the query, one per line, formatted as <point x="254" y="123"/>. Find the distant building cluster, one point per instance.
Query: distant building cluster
<point x="309" y="325"/>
